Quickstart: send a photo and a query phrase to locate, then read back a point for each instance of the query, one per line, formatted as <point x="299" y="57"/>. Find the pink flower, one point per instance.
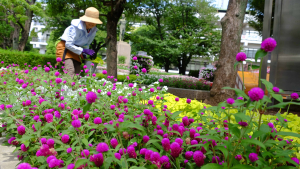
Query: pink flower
<point x="118" y="156"/>
<point x="151" y="90"/>
<point x="188" y="155"/>
<point x="238" y="157"/>
<point x="58" y="80"/>
<point x="294" y="96"/>
<point x="241" y="57"/>
<point x="144" y="70"/>
<point x="256" y="94"/>
<point x="176" y="99"/>
<point x="175" y="149"/>
<point x="91" y="97"/>
<point x="58" y="59"/>
<point x="199" y="158"/>
<point x="56" y="74"/>
<point x="24" y="166"/>
<point x="24" y="148"/>
<point x="102" y="147"/>
<point x="230" y="101"/>
<point x="161" y="80"/>
<point x="155" y="157"/>
<point x="131" y="152"/>
<point x="47" y="69"/>
<point x="295" y="159"/>
<point x="166" y="144"/>
<point x="85" y="153"/>
<point x="135" y="67"/>
<point x="97" y="120"/>
<point x="114" y="142"/>
<point x="69" y="150"/>
<point x="276" y="89"/>
<point x="146" y="139"/>
<point x="253" y="157"/>
<point x="76" y="123"/>
<point x="268" y="44"/>
<point x="271" y="125"/>
<point x="104" y="72"/>
<point x="188" y="101"/>
<point x="185" y="121"/>
<point x="134" y="58"/>
<point x="65" y="138"/>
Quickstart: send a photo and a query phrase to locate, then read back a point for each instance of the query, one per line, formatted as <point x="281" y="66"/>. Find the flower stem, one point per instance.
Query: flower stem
<point x="243" y="77"/>
<point x="259" y="74"/>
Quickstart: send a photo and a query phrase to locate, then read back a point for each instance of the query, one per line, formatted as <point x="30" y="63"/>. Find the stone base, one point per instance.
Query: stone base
<point x="124" y="49"/>
<point x="199" y="95"/>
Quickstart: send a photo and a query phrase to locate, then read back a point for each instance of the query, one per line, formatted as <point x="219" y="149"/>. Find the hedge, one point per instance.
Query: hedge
<point x="121" y="78"/>
<point x="194" y="73"/>
<point x="20" y="58"/>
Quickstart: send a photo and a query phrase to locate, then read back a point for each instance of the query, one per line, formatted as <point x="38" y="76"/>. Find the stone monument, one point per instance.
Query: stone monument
<point x="123" y="48"/>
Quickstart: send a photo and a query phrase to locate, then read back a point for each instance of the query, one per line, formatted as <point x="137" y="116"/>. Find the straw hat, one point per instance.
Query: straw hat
<point x="91" y="15"/>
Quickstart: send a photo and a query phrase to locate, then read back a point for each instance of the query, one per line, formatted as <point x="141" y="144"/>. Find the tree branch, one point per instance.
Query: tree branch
<point x="22" y="27"/>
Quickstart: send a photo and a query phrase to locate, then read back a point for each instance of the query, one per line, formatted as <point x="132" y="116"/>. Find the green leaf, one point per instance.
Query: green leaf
<point x="253" y="141"/>
<point x="257" y="134"/>
<point x="175" y="115"/>
<point x="268" y="84"/>
<point x="242" y="116"/>
<point x="282" y="133"/>
<point x="209" y="137"/>
<point x="132" y="160"/>
<point x="285" y="167"/>
<point x="238" y="92"/>
<point x="235" y="64"/>
<point x="240" y="166"/>
<point x="81" y="161"/>
<point x="107" y="162"/>
<point x="223" y="149"/>
<point x="260" y="54"/>
<point x="280" y="118"/>
<point x="278" y="97"/>
<point x="212" y="166"/>
<point x="86" y="107"/>
<point x="85" y="141"/>
<point x="282" y="105"/>
<point x="234" y="130"/>
<point x="152" y="141"/>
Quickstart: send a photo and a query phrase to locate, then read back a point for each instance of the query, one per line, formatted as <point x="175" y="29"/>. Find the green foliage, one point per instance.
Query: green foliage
<point x="21" y="58"/>
<point x="121" y="78"/>
<point x="122" y="59"/>
<point x="184" y="84"/>
<point x="194" y="73"/>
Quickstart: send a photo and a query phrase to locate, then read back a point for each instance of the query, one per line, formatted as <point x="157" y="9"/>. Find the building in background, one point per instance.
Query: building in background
<point x="39" y="42"/>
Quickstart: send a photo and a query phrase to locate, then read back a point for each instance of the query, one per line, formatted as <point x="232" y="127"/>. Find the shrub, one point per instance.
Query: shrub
<point x="21" y="58"/>
<point x="121" y="78"/>
<point x="122" y="59"/>
<point x="185" y="84"/>
<point x="140" y="62"/>
<point x="207" y="74"/>
<point x="194" y="73"/>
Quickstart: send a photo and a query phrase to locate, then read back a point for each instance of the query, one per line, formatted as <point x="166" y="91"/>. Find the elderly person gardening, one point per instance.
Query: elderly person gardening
<point x="75" y="42"/>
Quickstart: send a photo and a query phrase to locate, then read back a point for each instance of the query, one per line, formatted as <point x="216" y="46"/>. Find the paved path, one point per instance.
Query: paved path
<point x="8" y="160"/>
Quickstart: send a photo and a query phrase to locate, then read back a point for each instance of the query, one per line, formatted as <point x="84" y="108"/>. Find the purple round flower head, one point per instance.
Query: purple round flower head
<point x="164" y="160"/>
<point x="58" y="59"/>
<point x="143" y="151"/>
<point x="150" y="102"/>
<point x="253" y="157"/>
<point x="50" y="158"/>
<point x="144" y="70"/>
<point x="49" y="117"/>
<point x="24" y="148"/>
<point x="188" y="101"/>
<point x="118" y="156"/>
<point x="145" y="139"/>
<point x="21" y="130"/>
<point x="166" y="144"/>
<point x="276" y="89"/>
<point x="97" y="120"/>
<point x="175" y="149"/>
<point x="241" y="57"/>
<point x="179" y="141"/>
<point x="76" y="123"/>
<point x="43" y="140"/>
<point x="192" y="132"/>
<point x="230" y="101"/>
<point x="102" y="147"/>
<point x="69" y="150"/>
<point x="91" y="97"/>
<point x="134" y="58"/>
<point x="161" y="80"/>
<point x="122" y="151"/>
<point x="58" y="80"/>
<point x="56" y="74"/>
<point x="85" y="153"/>
<point x="148" y="154"/>
<point x="130" y="85"/>
<point x="193" y="142"/>
<point x="188" y="155"/>
<point x="199" y="158"/>
<point x="185" y="121"/>
<point x="135" y="67"/>
<point x="155" y="157"/>
<point x="151" y="89"/>
<point x="243" y="124"/>
<point x="175" y="127"/>
<point x="112" y="107"/>
<point x="256" y="94"/>
<point x="285" y="120"/>
<point x="240" y="98"/>
<point x="294" y="96"/>
<point x="215" y="159"/>
<point x="238" y="157"/>
<point x="131" y="152"/>
<point x="47" y="69"/>
<point x="176" y="99"/>
<point x="24" y="166"/>
<point x="71" y="166"/>
<point x="160" y="132"/>
<point x="295" y="159"/>
<point x="65" y="138"/>
<point x="50" y="143"/>
<point x="114" y="142"/>
<point x="268" y="44"/>
<point x="271" y="125"/>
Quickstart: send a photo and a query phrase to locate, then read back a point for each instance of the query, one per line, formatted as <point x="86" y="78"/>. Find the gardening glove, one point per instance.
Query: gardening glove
<point x="84" y="55"/>
<point x="88" y="52"/>
<point x="93" y="57"/>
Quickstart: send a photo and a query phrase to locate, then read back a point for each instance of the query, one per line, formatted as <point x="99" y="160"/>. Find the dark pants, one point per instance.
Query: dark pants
<point x="72" y="67"/>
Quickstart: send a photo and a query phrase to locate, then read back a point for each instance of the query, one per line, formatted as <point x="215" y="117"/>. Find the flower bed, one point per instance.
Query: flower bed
<point x="56" y="122"/>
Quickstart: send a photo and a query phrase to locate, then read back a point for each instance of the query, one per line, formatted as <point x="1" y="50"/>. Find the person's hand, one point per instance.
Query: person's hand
<point x="88" y="52"/>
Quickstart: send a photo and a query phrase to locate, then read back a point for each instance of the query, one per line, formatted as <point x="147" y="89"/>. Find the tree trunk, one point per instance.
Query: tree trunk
<point x="15" y="35"/>
<point x="26" y="27"/>
<point x="111" y="41"/>
<point x="225" y="75"/>
<point x="167" y="65"/>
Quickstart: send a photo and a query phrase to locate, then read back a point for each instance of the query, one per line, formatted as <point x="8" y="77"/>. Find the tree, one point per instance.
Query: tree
<point x="256" y="8"/>
<point x="225" y="75"/>
<point x="18" y="14"/>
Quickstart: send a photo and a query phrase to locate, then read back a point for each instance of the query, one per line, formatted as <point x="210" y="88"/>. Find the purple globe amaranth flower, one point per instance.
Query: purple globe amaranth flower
<point x="143" y="151"/>
<point x="145" y="139"/>
<point x="97" y="159"/>
<point x="199" y="158"/>
<point x="148" y="154"/>
<point x="114" y="142"/>
<point x="295" y="159"/>
<point x="71" y="166"/>
<point x="188" y="155"/>
<point x="102" y="147"/>
<point x="21" y="130"/>
<point x="144" y="70"/>
<point x="230" y="101"/>
<point x="131" y="152"/>
<point x="192" y="133"/>
<point x="175" y="149"/>
<point x="49" y="117"/>
<point x="65" y="138"/>
<point x="91" y="97"/>
<point x="122" y="151"/>
<point x="161" y="80"/>
<point x="24" y="148"/>
<point x="166" y="144"/>
<point x="271" y="125"/>
<point x="97" y="120"/>
<point x="243" y="124"/>
<point x="275" y="89"/>
<point x="253" y="157"/>
<point x="176" y="99"/>
<point x="58" y="80"/>
<point x="294" y="96"/>
<point x="76" y="123"/>
<point x="155" y="157"/>
<point x="50" y="143"/>
<point x="256" y="94"/>
<point x="85" y="153"/>
<point x="179" y="141"/>
<point x="58" y="59"/>
<point x="118" y="156"/>
<point x="185" y="121"/>
<point x="24" y="166"/>
<point x="241" y="57"/>
<point x="69" y="150"/>
<point x="268" y="44"/>
<point x="164" y="160"/>
<point x="134" y="58"/>
<point x="215" y="159"/>
<point x="188" y="101"/>
<point x="238" y="157"/>
<point x="240" y="98"/>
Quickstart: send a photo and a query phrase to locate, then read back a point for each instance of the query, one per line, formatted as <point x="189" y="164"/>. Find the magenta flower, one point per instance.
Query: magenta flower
<point x="65" y="138"/>
<point x="243" y="124"/>
<point x="151" y="90"/>
<point x="56" y="74"/>
<point x="150" y="102"/>
<point x="134" y="58"/>
<point x="253" y="157"/>
<point x="268" y="44"/>
<point x="135" y="67"/>
<point x="58" y="59"/>
<point x="71" y="166"/>
<point x="97" y="120"/>
<point x="188" y="101"/>
<point x="69" y="150"/>
<point x="91" y="97"/>
<point x="192" y="132"/>
<point x="114" y="142"/>
<point x="155" y="157"/>
<point x="131" y="152"/>
<point x="24" y="148"/>
<point x="26" y="71"/>
<point x="118" y="156"/>
<point x="148" y="154"/>
<point x="97" y="159"/>
<point x="295" y="159"/>
<point x="146" y="138"/>
<point x="144" y="70"/>
<point x="215" y="159"/>
<point x="238" y="157"/>
<point x="188" y="155"/>
<point x="130" y="85"/>
<point x="24" y="166"/>
<point x="176" y="99"/>
<point x="102" y="147"/>
<point x="76" y="123"/>
<point x="276" y="89"/>
<point x="86" y="71"/>
<point x="21" y="130"/>
<point x="230" y="101"/>
<point x="166" y="144"/>
<point x="104" y="72"/>
<point x="85" y="153"/>
<point x="185" y="121"/>
<point x="294" y="96"/>
<point x="241" y="57"/>
<point x="179" y="141"/>
<point x="58" y="80"/>
<point x="271" y="125"/>
<point x="161" y="80"/>
<point x="175" y="149"/>
<point x="47" y="69"/>
<point x="256" y="94"/>
<point x="122" y="151"/>
<point x="50" y="143"/>
<point x="199" y="158"/>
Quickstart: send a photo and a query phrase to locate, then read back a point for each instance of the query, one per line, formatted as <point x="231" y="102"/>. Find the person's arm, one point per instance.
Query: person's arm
<point x="71" y="38"/>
